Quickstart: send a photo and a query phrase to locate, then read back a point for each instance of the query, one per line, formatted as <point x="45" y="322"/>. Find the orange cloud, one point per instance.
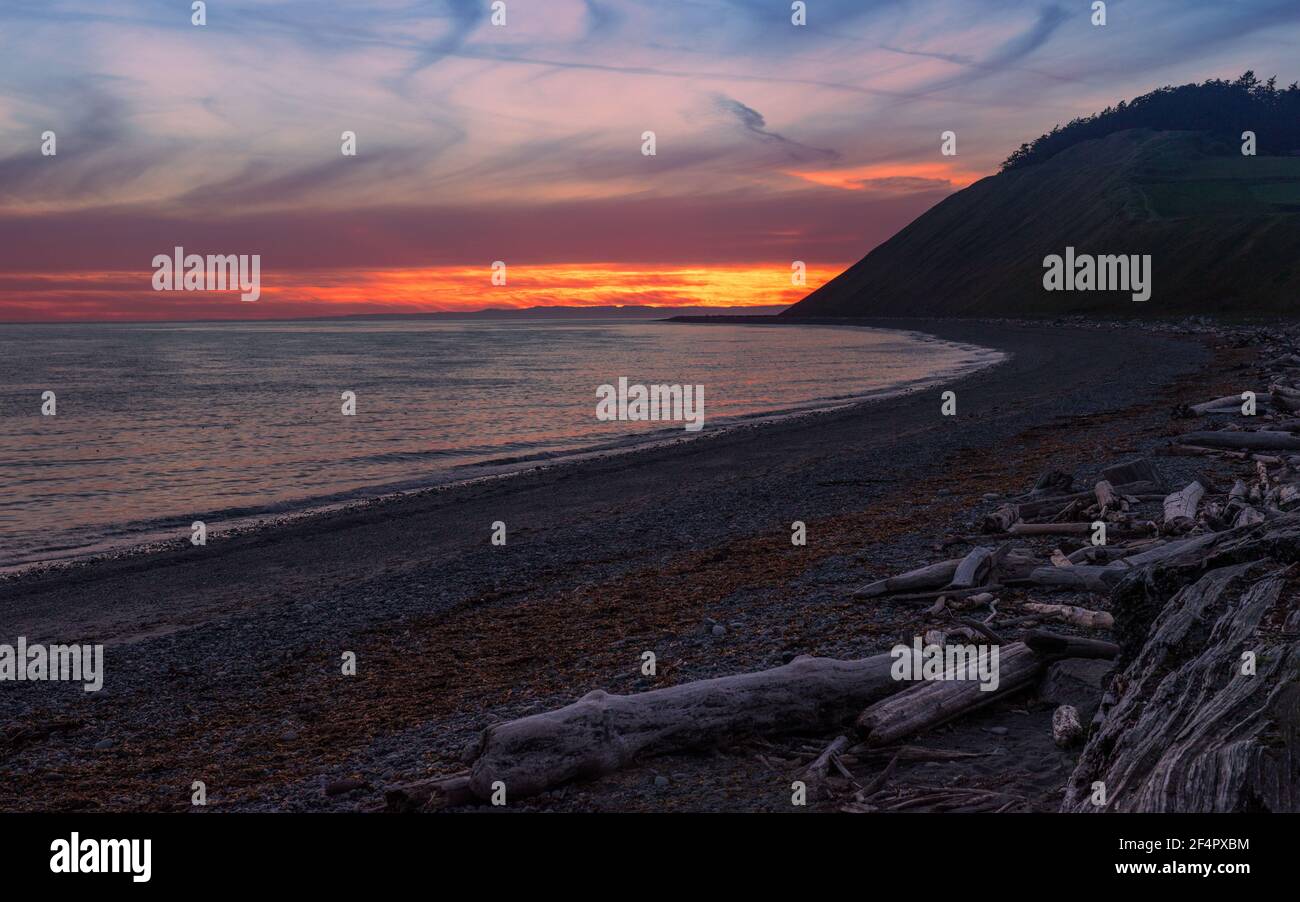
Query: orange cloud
<point x="890" y="175"/>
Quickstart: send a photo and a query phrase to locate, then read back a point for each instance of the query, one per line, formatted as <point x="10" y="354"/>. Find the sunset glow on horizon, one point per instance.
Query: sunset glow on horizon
<point x="114" y="296"/>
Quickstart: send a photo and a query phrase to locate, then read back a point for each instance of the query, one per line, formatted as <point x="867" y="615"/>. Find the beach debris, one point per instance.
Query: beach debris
<point x="1180" y="509"/>
<point x="1067" y="613"/>
<point x="821" y="765"/>
<point x="1051" y="644"/>
<point x="1077" y="682"/>
<point x="931" y="576"/>
<point x="1053" y="482"/>
<point x="974" y="569"/>
<point x="1066" y="729"/>
<point x="428" y="794"/>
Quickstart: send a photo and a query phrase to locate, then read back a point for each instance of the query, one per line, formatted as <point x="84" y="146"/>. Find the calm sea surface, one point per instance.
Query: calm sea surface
<point x="158" y="425"/>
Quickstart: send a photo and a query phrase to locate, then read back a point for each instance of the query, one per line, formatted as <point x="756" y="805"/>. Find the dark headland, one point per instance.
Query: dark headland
<point x="1162" y="175"/>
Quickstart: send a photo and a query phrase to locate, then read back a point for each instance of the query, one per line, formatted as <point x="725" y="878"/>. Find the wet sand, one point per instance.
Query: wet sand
<point x="223" y="662"/>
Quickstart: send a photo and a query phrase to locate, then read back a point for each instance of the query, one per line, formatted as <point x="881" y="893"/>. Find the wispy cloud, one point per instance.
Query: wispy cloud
<point x="752" y="121"/>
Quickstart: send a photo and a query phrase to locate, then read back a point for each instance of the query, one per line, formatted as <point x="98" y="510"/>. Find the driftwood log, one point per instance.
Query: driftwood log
<point x="602" y="733"/>
<point x="821" y="765"/>
<point x="1226" y="404"/>
<point x="1206" y="712"/>
<point x="974" y="569"/>
<point x="1068" y="613"/>
<point x="932" y="577"/>
<point x="1107" y="498"/>
<point x="1181" y="507"/>
<point x="1247" y="441"/>
<point x="930" y="703"/>
<point x="1055" y="645"/>
<point x="1102" y="578"/>
<point x="1030" y="509"/>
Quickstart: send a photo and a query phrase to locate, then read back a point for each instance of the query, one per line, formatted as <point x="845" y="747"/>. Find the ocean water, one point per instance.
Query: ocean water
<point x="158" y="425"/>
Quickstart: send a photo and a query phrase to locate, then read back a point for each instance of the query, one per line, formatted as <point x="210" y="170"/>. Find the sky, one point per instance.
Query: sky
<point x="523" y="142"/>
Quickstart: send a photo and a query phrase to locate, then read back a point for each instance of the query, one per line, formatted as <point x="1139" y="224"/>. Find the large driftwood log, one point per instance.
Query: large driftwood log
<point x="928" y="704"/>
<point x="1206" y="711"/>
<point x="933" y="576"/>
<point x="1285" y="400"/>
<point x="601" y="733"/>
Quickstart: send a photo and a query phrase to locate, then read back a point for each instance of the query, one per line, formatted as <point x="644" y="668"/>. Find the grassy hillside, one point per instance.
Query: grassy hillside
<point x="1223" y="231"/>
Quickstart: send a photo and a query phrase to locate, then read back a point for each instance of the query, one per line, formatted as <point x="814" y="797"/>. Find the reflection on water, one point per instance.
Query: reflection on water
<point x="161" y="424"/>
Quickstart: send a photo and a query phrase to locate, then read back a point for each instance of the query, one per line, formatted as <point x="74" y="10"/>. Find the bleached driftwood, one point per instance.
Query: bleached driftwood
<point x="1181" y="506"/>
<point x="1248" y="516"/>
<point x="1068" y="613"/>
<point x="1028" y="510"/>
<point x="601" y="733"/>
<point x="1107" y="498"/>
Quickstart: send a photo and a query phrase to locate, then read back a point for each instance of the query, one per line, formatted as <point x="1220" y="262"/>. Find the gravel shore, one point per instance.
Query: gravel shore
<point x="223" y="663"/>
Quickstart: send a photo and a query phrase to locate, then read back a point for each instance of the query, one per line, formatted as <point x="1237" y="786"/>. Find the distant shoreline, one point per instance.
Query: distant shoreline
<point x="637" y="311"/>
